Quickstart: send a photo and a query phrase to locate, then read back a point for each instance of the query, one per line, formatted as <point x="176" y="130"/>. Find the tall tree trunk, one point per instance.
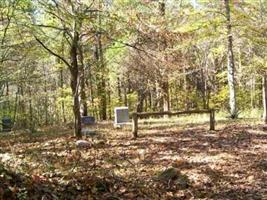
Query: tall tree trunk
<point x="63" y="102"/>
<point x="150" y="99"/>
<point x="16" y="105"/>
<point x="83" y="93"/>
<point x="140" y="100"/>
<point x="109" y="102"/>
<point x="75" y="84"/>
<point x="101" y="69"/>
<point x="186" y="89"/>
<point x="119" y="89"/>
<point x="231" y="63"/>
<point x="22" y="108"/>
<point x="154" y="97"/>
<point x="7" y="109"/>
<point x="264" y="97"/>
<point x="252" y="91"/>
<point x="101" y="78"/>
<point x="125" y="98"/>
<point x="165" y="81"/>
<point x="46" y="101"/>
<point x="31" y="123"/>
<point x="166" y="96"/>
<point x="91" y="92"/>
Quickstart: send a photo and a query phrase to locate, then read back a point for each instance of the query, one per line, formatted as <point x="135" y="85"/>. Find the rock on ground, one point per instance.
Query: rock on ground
<point x="82" y="144"/>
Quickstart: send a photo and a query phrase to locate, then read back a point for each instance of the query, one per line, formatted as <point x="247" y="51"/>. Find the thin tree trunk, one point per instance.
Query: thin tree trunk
<point x="125" y="98"/>
<point x="252" y="91"/>
<point x="165" y="81"/>
<point x="166" y="96"/>
<point x="186" y="88"/>
<point x="119" y="89"/>
<point x="83" y="93"/>
<point x="109" y="102"/>
<point x="231" y="63"/>
<point x="62" y="102"/>
<point x="264" y="97"/>
<point x="31" y="111"/>
<point x="16" y="105"/>
<point x="101" y="73"/>
<point x="101" y="84"/>
<point x="7" y="101"/>
<point x="46" y="101"/>
<point x="140" y="101"/>
<point x="22" y="108"/>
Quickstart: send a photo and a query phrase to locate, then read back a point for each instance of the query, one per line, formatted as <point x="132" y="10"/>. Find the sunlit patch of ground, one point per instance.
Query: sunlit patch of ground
<point x="229" y="163"/>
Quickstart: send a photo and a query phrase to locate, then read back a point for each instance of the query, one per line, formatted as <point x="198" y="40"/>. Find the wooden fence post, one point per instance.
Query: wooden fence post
<point x="212" y="120"/>
<point x="134" y="124"/>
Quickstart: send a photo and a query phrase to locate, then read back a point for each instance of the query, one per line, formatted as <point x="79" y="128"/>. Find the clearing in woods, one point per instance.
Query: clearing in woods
<point x="229" y="163"/>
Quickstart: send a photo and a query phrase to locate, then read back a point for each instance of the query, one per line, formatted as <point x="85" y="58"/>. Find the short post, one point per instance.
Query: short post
<point x="134" y="125"/>
<point x="212" y="120"/>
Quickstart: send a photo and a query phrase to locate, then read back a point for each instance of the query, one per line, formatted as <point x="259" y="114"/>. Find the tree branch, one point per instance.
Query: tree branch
<point x="50" y="26"/>
<point x="52" y="52"/>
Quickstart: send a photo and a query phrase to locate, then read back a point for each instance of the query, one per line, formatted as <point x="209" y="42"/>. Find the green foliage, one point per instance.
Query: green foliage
<point x="142" y="46"/>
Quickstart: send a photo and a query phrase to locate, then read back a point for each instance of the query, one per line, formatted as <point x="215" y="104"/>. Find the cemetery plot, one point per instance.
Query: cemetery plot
<point x="174" y="163"/>
<point x="135" y="117"/>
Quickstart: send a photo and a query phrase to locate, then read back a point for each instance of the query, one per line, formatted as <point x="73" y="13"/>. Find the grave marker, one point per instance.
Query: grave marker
<point x="6" y="124"/>
<point x="121" y="116"/>
<point x="88" y="121"/>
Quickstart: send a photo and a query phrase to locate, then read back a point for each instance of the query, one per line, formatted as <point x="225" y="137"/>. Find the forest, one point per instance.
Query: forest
<point x="193" y="71"/>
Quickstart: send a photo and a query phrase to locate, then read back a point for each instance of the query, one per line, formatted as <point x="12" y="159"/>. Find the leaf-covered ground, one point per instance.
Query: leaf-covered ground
<point x="229" y="163"/>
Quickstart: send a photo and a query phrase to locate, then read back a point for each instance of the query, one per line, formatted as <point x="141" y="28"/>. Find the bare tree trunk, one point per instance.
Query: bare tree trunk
<point x="101" y="82"/>
<point x="22" y="108"/>
<point x="16" y="105"/>
<point x="166" y="96"/>
<point x="264" y="97"/>
<point x="165" y="81"/>
<point x="109" y="102"/>
<point x="125" y="98"/>
<point x="154" y="98"/>
<point x="231" y="63"/>
<point x="91" y="92"/>
<point x="252" y="91"/>
<point x="7" y="103"/>
<point x="186" y="88"/>
<point x="83" y="93"/>
<point x="119" y="89"/>
<point x="62" y="103"/>
<point x="140" y="100"/>
<point x="31" y="124"/>
<point x="75" y="84"/>
<point x="46" y="102"/>
<point x="101" y="85"/>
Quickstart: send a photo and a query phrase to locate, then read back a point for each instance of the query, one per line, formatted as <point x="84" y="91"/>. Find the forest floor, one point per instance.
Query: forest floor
<point x="229" y="163"/>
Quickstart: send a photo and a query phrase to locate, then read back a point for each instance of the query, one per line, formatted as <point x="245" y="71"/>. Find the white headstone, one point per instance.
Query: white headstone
<point x="121" y="115"/>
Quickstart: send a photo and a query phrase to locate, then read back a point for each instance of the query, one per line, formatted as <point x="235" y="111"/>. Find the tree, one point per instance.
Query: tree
<point x="230" y="63"/>
<point x="69" y="17"/>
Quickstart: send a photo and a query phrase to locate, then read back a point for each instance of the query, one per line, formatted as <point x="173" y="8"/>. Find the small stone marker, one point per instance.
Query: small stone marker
<point x="7" y="124"/>
<point x="88" y="120"/>
<point x="121" y="116"/>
